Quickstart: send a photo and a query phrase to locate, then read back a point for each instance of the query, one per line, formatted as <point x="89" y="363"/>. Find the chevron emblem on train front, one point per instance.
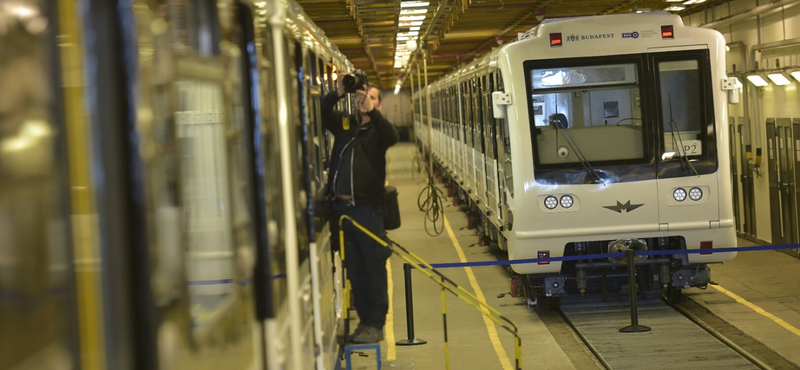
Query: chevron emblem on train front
<point x="627" y="207"/>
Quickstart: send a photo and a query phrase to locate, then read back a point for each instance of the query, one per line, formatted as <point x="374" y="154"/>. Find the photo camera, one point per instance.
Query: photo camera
<point x="354" y="81"/>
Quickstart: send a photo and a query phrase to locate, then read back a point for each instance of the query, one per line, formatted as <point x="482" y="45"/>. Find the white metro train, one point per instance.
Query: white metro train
<point x="160" y="164"/>
<point x="592" y="135"/>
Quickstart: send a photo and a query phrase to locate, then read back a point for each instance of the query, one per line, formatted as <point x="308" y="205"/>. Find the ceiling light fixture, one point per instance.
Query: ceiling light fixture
<point x="414" y="4"/>
<point x="413" y="11"/>
<point x="411" y="18"/>
<point x="779" y="78"/>
<point x="757" y="80"/>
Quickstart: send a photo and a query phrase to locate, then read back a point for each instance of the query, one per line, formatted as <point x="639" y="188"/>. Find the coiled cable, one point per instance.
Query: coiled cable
<point x="430" y="202"/>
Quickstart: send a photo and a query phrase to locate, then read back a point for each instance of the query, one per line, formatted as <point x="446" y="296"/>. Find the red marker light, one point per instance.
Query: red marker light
<point x="706" y="245"/>
<point x="555" y="39"/>
<point x="666" y="32"/>
<point x="544" y="254"/>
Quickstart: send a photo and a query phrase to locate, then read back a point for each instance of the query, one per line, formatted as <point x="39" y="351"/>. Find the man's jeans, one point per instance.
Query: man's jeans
<point x="365" y="260"/>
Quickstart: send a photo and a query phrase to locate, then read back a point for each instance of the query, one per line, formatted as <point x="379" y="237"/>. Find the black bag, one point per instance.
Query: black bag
<point x="392" y="209"/>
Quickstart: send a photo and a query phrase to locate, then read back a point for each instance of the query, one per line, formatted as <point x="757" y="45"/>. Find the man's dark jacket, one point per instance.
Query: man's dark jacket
<point x="369" y="142"/>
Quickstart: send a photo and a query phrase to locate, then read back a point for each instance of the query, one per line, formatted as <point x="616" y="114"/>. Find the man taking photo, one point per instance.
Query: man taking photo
<point x="356" y="179"/>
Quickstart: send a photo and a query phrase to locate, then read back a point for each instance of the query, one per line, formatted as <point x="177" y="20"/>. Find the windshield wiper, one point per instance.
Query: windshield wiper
<point x="559" y="119"/>
<point x="677" y="143"/>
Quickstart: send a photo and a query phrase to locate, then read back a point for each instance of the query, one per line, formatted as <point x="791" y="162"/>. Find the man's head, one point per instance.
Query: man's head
<point x="374" y="95"/>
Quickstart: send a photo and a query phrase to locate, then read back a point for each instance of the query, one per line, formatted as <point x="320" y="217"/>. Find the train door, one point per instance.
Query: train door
<point x="269" y="279"/>
<point x="774" y="181"/>
<point x="458" y="134"/>
<point x="794" y="159"/>
<point x="747" y="181"/>
<point x="783" y="199"/>
<point x="325" y="303"/>
<point x="461" y="151"/>
<point x="171" y="182"/>
<point x="734" y="170"/>
<point x="467" y="146"/>
<point x="505" y="174"/>
<point x="301" y="194"/>
<point x="480" y="159"/>
<point x="786" y="160"/>
<point x="39" y="299"/>
<point x="490" y="140"/>
<point x="452" y="130"/>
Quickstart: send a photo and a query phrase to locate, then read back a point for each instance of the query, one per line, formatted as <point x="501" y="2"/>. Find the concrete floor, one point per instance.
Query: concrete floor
<point x="768" y="308"/>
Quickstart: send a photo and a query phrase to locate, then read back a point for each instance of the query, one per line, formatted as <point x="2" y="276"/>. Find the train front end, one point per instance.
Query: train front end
<point x="619" y="145"/>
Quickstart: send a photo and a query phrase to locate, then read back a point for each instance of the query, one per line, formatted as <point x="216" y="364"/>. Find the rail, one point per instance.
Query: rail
<point x="447" y="285"/>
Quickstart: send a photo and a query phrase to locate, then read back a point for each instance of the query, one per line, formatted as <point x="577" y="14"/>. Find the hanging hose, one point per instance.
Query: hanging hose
<point x="430" y="202"/>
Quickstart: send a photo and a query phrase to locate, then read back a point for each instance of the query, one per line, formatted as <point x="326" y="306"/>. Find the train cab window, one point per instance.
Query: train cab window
<point x="681" y="113"/>
<point x="686" y="111"/>
<point x="578" y="110"/>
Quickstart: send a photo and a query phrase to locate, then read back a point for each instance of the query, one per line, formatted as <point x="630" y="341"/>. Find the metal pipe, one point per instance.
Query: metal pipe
<point x="747" y="173"/>
<point x="749" y="14"/>
<point x="428" y="104"/>
<point x="412" y="113"/>
<point x="748" y="142"/>
<point x="277" y="22"/>
<point x="410" y="340"/>
<point x="634" y="327"/>
<point x="419" y="87"/>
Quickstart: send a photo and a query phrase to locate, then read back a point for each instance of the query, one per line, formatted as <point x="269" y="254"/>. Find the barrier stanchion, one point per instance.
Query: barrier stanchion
<point x="410" y="340"/>
<point x="634" y="327"/>
<point x="444" y="321"/>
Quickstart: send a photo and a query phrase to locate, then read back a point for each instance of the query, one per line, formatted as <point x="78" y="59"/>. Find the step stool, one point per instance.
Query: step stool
<point x="362" y="347"/>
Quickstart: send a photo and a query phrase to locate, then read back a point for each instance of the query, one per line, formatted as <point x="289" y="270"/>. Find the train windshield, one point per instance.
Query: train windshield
<point x="622" y="118"/>
<point x="580" y="112"/>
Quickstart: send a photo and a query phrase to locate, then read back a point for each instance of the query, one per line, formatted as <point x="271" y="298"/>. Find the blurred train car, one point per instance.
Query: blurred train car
<point x="592" y="135"/>
<point x="161" y="164"/>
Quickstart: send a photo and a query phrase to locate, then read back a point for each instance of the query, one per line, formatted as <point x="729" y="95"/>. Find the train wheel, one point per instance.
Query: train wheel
<point x="672" y="295"/>
<point x="549" y="303"/>
<point x="553" y="303"/>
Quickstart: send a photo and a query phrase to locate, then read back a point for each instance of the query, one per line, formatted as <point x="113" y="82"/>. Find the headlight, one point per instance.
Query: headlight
<point x="551" y="202"/>
<point x="679" y="194"/>
<point x="566" y="201"/>
<point x="695" y="194"/>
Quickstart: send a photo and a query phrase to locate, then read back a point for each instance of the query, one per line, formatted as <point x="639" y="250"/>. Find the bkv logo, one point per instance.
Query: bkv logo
<point x="630" y="35"/>
<point x="573" y="38"/>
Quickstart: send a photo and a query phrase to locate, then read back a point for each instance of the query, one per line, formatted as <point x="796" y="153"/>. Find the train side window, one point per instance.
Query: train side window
<point x="194" y="24"/>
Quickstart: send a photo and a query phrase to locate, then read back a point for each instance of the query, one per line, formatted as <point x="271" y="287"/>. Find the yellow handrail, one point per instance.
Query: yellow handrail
<point x="487" y="311"/>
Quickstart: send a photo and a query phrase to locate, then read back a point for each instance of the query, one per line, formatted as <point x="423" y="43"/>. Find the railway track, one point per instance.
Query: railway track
<point x="678" y="339"/>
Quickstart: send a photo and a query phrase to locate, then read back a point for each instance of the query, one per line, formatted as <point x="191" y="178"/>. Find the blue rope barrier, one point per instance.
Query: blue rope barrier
<point x="609" y="255"/>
